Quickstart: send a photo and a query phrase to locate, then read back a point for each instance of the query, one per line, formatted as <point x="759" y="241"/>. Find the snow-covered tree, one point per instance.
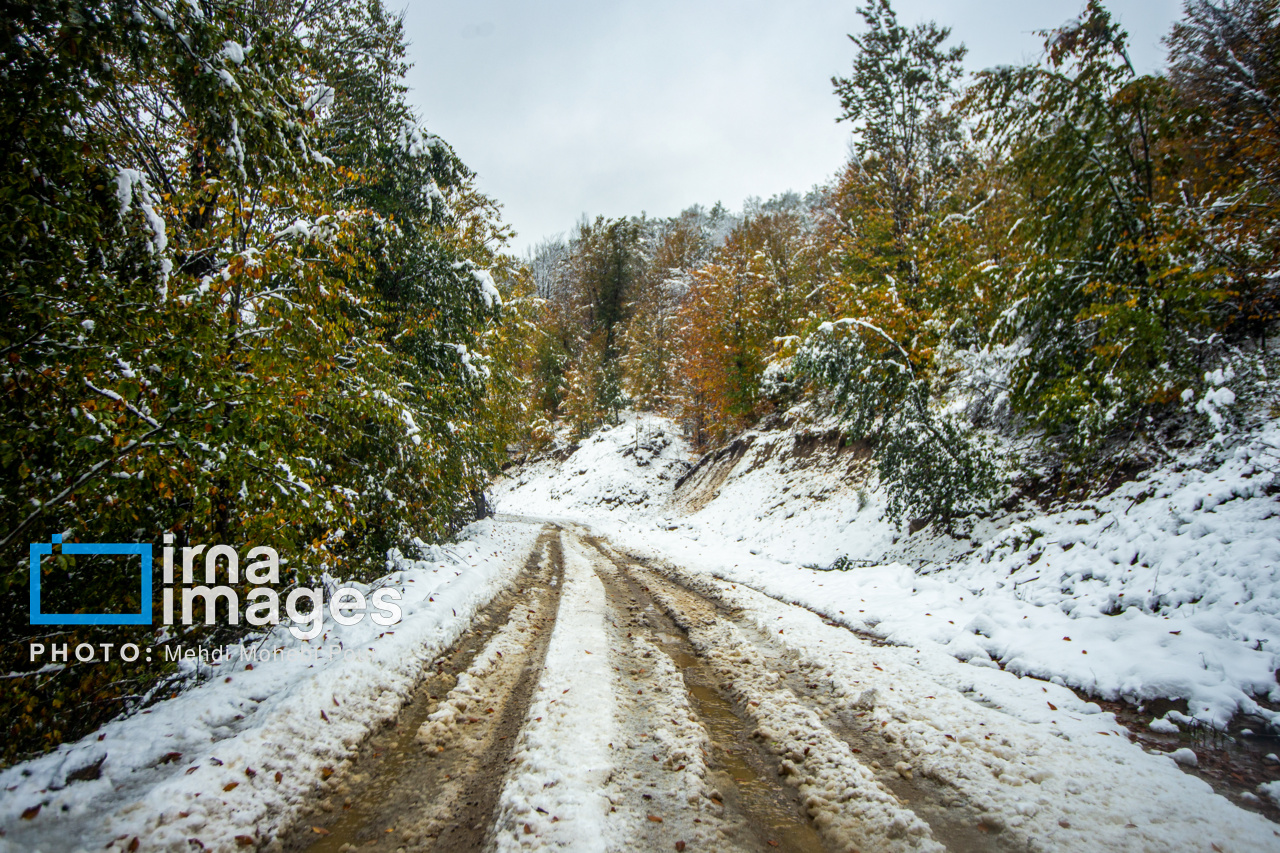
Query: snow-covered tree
<point x="248" y="301"/>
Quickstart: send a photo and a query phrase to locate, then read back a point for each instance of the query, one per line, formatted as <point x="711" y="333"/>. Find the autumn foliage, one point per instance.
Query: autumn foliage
<point x="1068" y="256"/>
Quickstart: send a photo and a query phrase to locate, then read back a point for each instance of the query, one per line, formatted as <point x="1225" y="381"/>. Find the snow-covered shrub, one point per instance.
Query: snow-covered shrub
<point x="931" y="462"/>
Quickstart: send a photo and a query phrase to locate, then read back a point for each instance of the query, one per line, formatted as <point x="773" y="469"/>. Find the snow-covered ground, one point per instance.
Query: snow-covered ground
<point x="627" y="472"/>
<point x="230" y="761"/>
<point x="1168" y="587"/>
<point x="1165" y="588"/>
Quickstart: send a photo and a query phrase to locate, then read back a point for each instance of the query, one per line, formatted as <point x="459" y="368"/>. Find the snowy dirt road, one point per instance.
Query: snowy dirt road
<point x="610" y="703"/>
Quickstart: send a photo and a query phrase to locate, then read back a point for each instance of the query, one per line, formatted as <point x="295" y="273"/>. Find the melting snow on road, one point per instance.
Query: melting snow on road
<point x="556" y="795"/>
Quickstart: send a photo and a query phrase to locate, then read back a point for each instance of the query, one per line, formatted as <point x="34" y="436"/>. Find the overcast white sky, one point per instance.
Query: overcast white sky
<point x="572" y="107"/>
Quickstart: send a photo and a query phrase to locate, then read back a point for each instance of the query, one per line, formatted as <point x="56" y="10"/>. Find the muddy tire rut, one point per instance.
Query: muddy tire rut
<point x="707" y="628"/>
<point x="430" y="780"/>
<point x="748" y="806"/>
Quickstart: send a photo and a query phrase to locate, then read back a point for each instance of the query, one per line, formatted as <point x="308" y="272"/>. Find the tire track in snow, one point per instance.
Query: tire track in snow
<point x="962" y="825"/>
<point x="849" y="806"/>
<point x="725" y="793"/>
<point x="1033" y="786"/>
<point x="613" y="756"/>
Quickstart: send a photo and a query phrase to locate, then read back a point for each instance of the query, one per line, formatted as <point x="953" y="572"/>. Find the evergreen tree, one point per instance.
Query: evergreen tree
<point x="898" y="231"/>
<point x="897" y="99"/>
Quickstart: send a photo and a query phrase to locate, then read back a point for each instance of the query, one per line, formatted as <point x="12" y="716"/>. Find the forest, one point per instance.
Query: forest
<point x="251" y="300"/>
<point x="1069" y="260"/>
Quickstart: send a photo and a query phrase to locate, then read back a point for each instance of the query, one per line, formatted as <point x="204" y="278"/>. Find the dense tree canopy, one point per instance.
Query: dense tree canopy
<point x="248" y="301"/>
<point x="1067" y="256"/>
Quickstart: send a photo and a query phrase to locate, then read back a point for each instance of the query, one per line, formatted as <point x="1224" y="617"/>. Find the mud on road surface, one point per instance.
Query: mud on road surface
<point x="429" y="781"/>
<point x="761" y="706"/>
<point x="605" y="703"/>
<point x="686" y="763"/>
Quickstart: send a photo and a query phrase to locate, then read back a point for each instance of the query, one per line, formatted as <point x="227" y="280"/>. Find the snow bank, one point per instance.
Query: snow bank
<point x="234" y="757"/>
<point x="628" y="470"/>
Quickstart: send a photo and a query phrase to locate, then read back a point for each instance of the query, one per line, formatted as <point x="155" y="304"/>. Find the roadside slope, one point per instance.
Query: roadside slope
<point x="1163" y="590"/>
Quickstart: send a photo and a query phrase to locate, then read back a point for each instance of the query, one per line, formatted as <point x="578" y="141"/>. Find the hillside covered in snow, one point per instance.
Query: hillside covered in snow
<point x="1165" y="588"/>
